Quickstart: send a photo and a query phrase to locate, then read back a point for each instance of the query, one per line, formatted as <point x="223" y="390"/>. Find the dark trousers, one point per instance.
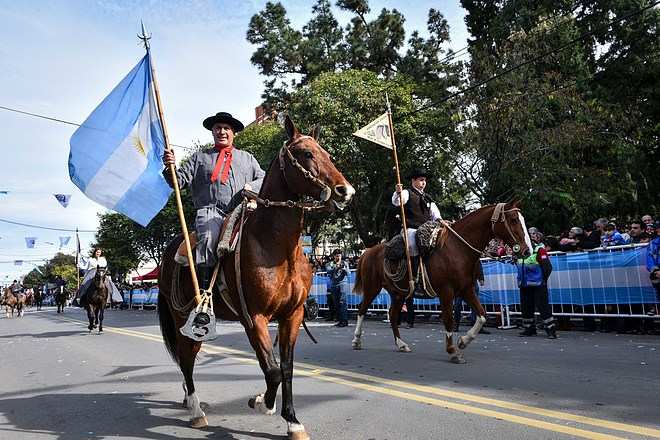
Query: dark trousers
<point x="535" y="297"/>
<point x="332" y="307"/>
<point x="341" y="308"/>
<point x="410" y="311"/>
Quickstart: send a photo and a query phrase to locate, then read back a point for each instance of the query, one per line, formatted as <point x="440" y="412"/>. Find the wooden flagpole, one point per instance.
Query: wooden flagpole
<point x="172" y="168"/>
<point x="411" y="282"/>
<point x="77" y="261"/>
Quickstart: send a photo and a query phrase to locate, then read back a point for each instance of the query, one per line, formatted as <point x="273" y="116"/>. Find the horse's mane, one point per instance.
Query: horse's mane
<point x="467" y="218"/>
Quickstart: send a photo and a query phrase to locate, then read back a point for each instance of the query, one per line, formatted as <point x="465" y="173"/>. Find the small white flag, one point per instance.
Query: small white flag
<point x="377" y="131"/>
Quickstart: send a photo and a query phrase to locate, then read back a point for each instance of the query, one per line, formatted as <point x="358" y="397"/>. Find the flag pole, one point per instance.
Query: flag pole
<point x="411" y="282"/>
<point x="77" y="262"/>
<point x="172" y="167"/>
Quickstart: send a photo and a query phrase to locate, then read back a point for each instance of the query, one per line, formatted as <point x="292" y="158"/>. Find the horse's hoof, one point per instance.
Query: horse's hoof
<point x="461" y="343"/>
<point x="457" y="359"/>
<point x="298" y="435"/>
<point x="199" y="422"/>
<point x="357" y="345"/>
<point x="405" y="349"/>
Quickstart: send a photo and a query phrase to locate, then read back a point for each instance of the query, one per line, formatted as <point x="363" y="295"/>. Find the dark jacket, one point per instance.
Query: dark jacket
<point x="417" y="209"/>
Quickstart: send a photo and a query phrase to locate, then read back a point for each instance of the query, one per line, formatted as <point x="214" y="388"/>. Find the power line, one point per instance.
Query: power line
<point x="530" y="61"/>
<point x="46" y="227"/>
<point x="62" y="121"/>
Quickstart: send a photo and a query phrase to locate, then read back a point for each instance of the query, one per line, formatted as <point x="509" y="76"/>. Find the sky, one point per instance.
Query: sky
<point x="60" y="59"/>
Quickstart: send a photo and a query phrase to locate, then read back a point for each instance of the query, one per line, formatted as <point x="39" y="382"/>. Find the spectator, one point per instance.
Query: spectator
<point x="533" y="274"/>
<point x="338" y="274"/>
<point x="637" y="234"/>
<point x="653" y="264"/>
<point x="647" y="220"/>
<point x="573" y="241"/>
<point x="592" y="239"/>
<point x="612" y="237"/>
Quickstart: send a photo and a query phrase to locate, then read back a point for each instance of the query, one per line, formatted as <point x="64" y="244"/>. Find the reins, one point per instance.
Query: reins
<point x="499" y="216"/>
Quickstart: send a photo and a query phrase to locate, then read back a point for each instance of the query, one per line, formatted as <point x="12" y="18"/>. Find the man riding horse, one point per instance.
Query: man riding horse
<point x="418" y="207"/>
<point x="214" y="176"/>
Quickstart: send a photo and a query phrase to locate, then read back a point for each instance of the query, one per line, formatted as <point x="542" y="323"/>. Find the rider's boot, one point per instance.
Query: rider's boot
<point x="204" y="279"/>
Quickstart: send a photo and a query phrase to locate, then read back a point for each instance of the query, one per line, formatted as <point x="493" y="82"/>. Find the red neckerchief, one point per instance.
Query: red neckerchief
<point x="224" y="156"/>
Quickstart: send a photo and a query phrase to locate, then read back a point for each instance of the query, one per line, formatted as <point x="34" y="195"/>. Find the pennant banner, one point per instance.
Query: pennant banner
<point x="63" y="199"/>
<point x="115" y="156"/>
<point x="30" y="242"/>
<point x="64" y="241"/>
<point x="18" y="262"/>
<point x="377" y="131"/>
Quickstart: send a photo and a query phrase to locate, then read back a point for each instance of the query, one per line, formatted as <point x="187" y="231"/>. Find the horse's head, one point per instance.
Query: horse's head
<point x="508" y="224"/>
<point x="99" y="277"/>
<point x="309" y="171"/>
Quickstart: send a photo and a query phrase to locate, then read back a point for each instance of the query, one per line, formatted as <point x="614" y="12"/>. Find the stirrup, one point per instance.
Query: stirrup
<point x="200" y="325"/>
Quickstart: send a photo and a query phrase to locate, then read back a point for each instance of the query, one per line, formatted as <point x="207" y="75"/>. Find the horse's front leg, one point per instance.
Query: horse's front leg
<point x="90" y="316"/>
<point x="101" y="311"/>
<point x="474" y="303"/>
<point x="263" y="347"/>
<point x="455" y="355"/>
<point x="288" y="334"/>
<point x="395" y="312"/>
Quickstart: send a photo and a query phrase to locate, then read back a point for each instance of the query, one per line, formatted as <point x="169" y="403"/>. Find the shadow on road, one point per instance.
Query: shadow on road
<point x="46" y="335"/>
<point x="98" y="416"/>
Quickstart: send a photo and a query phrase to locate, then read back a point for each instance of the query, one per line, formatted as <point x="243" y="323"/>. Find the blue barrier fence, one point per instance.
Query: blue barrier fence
<point x="611" y="281"/>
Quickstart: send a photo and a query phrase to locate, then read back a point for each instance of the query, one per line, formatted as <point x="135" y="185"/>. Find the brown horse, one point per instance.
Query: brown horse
<point x="451" y="272"/>
<point x="61" y="295"/>
<point x="13" y="302"/>
<point x="275" y="275"/>
<point x="95" y="300"/>
<point x="38" y="298"/>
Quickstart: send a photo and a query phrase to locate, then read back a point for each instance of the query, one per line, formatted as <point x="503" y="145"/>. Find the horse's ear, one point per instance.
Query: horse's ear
<point x="515" y="203"/>
<point x="290" y="127"/>
<point x="316" y="132"/>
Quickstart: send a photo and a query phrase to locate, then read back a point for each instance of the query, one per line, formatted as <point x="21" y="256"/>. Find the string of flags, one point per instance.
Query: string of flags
<point x="63" y="199"/>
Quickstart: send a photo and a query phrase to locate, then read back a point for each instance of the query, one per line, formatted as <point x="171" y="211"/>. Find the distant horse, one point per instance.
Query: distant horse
<point x="29" y="298"/>
<point x="450" y="269"/>
<point x="61" y="296"/>
<point x="13" y="302"/>
<point x="95" y="300"/>
<point x="275" y="275"/>
<point x="38" y="298"/>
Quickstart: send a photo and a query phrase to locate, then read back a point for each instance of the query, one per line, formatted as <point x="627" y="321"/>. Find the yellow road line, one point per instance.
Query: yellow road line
<point x="321" y="373"/>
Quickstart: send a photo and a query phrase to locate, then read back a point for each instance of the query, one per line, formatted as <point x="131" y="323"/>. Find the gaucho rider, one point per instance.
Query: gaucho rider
<point x="418" y="207"/>
<point x="214" y="176"/>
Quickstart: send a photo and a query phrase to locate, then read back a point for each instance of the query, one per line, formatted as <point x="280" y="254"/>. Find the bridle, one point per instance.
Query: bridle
<point x="285" y="156"/>
<point x="285" y="152"/>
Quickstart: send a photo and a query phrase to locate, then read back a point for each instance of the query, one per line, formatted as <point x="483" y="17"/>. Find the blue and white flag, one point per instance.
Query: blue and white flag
<point x="30" y="242"/>
<point x="63" y="199"/>
<point x="64" y="241"/>
<point x="115" y="156"/>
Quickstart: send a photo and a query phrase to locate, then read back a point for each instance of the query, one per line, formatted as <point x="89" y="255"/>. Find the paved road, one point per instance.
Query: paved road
<point x="59" y="382"/>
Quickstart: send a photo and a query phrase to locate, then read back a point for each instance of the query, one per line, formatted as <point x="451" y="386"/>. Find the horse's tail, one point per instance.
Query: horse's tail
<point x="167" y="326"/>
<point x="367" y="269"/>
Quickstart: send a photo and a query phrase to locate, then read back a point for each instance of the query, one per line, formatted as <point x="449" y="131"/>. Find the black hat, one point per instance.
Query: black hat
<point x="336" y="252"/>
<point x="419" y="172"/>
<point x="225" y="117"/>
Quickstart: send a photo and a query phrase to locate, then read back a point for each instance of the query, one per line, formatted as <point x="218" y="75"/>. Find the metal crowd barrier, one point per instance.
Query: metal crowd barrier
<point x="604" y="282"/>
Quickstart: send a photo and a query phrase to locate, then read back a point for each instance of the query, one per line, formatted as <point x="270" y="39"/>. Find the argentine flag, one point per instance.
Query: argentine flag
<point x="115" y="156"/>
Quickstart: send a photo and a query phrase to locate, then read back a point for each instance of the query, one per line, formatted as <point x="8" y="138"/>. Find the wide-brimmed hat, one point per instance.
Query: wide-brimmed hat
<point x="419" y="172"/>
<point x="225" y="117"/>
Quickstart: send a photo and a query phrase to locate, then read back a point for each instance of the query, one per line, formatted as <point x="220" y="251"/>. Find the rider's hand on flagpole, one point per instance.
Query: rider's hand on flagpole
<point x="398" y="188"/>
<point x="168" y="158"/>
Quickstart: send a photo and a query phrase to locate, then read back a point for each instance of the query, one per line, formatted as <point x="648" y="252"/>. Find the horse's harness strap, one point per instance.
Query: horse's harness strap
<point x="499" y="216"/>
<point x="326" y="192"/>
<point x="237" y="268"/>
<point x="266" y="203"/>
<point x="446" y="224"/>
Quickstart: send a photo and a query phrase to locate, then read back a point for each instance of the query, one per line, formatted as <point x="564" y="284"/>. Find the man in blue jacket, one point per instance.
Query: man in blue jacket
<point x="338" y="274"/>
<point x="533" y="274"/>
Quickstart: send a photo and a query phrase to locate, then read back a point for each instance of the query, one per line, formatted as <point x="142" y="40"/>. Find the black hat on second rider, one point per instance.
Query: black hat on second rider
<point x="419" y="172"/>
<point x="225" y="117"/>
